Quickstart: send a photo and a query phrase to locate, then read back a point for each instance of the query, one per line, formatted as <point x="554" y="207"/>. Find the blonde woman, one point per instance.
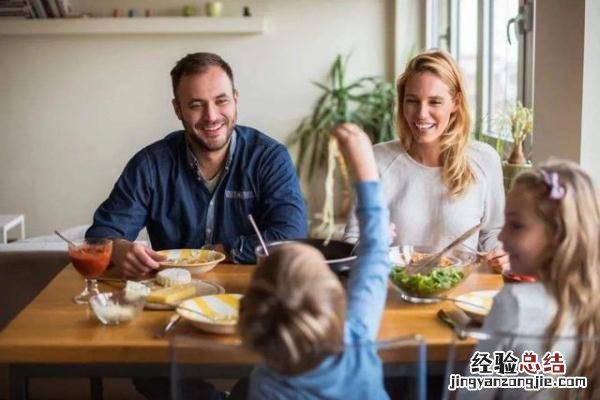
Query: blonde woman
<point x="437" y="182"/>
<point x="552" y="231"/>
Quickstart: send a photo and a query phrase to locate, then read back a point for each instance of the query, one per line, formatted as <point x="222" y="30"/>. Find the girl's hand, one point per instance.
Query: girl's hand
<point x="497" y="260"/>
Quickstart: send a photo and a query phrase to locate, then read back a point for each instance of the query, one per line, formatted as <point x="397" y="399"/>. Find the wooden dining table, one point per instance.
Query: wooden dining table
<point x="53" y="336"/>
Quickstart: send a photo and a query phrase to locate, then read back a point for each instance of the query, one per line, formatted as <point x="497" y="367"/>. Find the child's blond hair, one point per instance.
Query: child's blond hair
<point x="294" y="310"/>
<point x="566" y="199"/>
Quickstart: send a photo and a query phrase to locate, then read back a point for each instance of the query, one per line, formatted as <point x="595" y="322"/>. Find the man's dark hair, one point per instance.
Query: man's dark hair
<point x="198" y="63"/>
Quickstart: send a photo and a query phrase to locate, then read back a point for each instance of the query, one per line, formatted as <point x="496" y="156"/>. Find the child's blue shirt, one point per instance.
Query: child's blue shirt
<point x="357" y="373"/>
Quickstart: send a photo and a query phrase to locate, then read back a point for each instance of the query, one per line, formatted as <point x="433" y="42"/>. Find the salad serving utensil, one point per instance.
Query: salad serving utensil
<point x="427" y="264"/>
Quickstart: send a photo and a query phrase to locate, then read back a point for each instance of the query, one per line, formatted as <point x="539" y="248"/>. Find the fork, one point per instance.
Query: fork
<point x="427" y="264"/>
<point x="478" y="252"/>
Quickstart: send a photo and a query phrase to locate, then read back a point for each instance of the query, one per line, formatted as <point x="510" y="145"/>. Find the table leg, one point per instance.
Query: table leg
<point x="18" y="384"/>
<point x="96" y="388"/>
<point x="22" y="228"/>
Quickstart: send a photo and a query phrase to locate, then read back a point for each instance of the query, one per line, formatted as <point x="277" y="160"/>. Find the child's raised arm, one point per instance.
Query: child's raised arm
<point x="356" y="148"/>
<point x="367" y="285"/>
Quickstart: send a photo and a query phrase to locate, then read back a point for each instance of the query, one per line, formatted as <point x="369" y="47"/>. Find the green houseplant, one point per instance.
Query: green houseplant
<point x="520" y="124"/>
<point x="517" y="122"/>
<point x="366" y="101"/>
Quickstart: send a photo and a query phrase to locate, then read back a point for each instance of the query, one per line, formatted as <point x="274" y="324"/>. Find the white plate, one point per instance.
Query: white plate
<point x="216" y="314"/>
<point x="476" y="305"/>
<point x="197" y="261"/>
<point x="203" y="288"/>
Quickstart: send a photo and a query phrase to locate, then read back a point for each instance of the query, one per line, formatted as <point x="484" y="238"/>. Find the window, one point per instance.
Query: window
<point x="492" y="43"/>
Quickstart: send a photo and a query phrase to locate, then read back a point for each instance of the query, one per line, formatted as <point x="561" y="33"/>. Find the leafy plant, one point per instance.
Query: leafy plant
<point x="367" y="101"/>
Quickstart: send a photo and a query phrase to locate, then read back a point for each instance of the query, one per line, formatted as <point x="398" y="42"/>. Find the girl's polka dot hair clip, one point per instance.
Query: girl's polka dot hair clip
<point x="557" y="191"/>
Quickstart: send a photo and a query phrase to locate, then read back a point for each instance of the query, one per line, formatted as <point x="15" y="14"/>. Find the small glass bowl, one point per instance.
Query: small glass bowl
<point x="115" y="308"/>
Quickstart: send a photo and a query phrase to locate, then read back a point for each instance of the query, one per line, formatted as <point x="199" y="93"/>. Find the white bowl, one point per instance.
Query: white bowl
<point x="115" y="308"/>
<point x="197" y="261"/>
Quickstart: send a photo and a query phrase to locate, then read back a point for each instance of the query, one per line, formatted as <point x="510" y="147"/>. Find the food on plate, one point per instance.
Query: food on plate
<point x="173" y="276"/>
<point x="135" y="290"/>
<point x="90" y="260"/>
<point x="172" y="294"/>
<point x="478" y="304"/>
<point x="439" y="280"/>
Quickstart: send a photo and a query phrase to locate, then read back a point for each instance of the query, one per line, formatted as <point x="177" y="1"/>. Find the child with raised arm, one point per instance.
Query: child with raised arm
<point x="296" y="315"/>
<point x="551" y="231"/>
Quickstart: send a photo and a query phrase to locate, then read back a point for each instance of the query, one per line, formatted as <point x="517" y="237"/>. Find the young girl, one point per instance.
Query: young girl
<point x="296" y="315"/>
<point x="551" y="231"/>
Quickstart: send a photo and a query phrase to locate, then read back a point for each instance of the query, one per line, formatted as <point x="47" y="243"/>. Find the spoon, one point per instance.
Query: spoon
<point x="60" y="235"/>
<point x="262" y="241"/>
<point x="172" y="322"/>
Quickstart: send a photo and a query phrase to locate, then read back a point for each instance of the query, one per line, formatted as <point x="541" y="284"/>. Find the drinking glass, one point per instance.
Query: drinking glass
<point x="90" y="257"/>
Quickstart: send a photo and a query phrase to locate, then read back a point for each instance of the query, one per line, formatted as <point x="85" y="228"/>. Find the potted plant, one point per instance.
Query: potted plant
<point x="520" y="123"/>
<point x="366" y="101"/>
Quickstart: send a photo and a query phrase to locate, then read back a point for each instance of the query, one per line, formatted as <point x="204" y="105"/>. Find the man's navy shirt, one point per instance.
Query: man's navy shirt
<point x="159" y="189"/>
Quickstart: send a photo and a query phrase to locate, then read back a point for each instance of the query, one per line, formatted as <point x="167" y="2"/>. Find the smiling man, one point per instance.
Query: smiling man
<point x="197" y="186"/>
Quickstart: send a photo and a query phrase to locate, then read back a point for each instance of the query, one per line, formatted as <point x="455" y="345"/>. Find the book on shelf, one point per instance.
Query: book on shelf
<point x="64" y="7"/>
<point x="15" y="9"/>
<point x="48" y="8"/>
<point x="38" y="9"/>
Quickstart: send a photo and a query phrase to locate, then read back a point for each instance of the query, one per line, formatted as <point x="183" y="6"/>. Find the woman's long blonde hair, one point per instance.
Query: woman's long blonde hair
<point x="456" y="173"/>
<point x="571" y="271"/>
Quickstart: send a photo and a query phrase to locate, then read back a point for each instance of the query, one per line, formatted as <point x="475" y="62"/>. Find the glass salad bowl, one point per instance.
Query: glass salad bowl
<point x="454" y="267"/>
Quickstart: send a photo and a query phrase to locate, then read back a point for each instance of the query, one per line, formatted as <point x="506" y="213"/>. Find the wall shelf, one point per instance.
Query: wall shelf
<point x="140" y="25"/>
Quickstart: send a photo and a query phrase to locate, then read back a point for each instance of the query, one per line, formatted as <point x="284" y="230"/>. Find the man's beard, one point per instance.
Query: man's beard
<point x="209" y="147"/>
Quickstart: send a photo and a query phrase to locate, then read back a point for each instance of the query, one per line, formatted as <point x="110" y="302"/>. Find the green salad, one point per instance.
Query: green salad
<point x="439" y="280"/>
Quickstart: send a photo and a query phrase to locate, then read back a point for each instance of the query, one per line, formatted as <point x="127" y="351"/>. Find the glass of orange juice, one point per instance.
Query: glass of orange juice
<point x="90" y="258"/>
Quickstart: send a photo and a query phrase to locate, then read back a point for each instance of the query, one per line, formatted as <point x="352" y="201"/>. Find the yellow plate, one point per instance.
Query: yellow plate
<point x="476" y="305"/>
<point x="216" y="313"/>
<point x="195" y="260"/>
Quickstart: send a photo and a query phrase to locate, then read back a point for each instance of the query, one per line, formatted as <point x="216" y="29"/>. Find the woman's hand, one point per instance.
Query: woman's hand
<point x="497" y="260"/>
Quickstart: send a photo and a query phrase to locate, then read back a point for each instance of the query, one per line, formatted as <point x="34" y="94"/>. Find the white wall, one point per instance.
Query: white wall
<point x="74" y="109"/>
<point x="590" y="123"/>
<point x="567" y="78"/>
<point x="558" y="78"/>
